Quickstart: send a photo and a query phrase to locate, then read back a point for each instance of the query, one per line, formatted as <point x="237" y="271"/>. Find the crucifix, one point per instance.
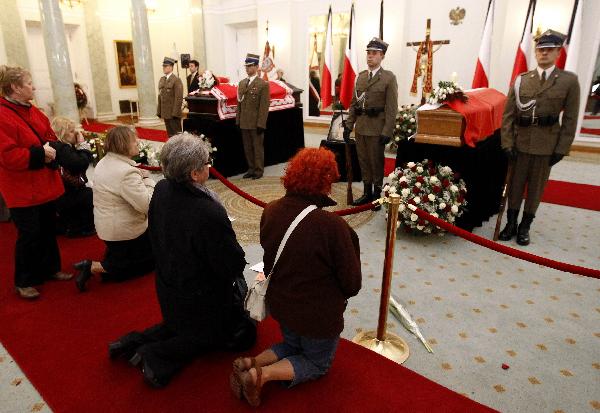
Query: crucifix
<point x="424" y="62"/>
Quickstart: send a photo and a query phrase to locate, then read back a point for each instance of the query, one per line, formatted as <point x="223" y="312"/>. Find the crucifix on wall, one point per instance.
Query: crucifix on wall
<point x="424" y="62"/>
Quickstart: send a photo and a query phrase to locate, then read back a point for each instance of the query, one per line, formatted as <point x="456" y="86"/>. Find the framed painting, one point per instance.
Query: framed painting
<point x="125" y="65"/>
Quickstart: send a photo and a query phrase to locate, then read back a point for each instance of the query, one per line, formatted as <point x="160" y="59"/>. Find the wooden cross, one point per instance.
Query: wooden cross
<point x="438" y="43"/>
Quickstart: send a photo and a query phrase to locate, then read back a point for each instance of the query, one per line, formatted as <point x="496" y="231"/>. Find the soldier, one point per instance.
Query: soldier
<point x="532" y="135"/>
<point x="252" y="110"/>
<point x="170" y="97"/>
<point x="373" y="113"/>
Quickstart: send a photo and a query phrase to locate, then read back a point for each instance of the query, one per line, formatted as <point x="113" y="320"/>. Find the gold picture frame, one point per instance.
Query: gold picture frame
<point x="125" y="64"/>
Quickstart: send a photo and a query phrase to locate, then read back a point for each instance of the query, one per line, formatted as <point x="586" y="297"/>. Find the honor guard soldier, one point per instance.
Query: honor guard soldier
<point x="373" y="116"/>
<point x="170" y="97"/>
<point x="252" y="111"/>
<point x="532" y="135"/>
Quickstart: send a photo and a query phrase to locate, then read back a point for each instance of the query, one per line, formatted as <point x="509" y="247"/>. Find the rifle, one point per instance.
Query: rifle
<point x="349" y="173"/>
<point x="505" y="189"/>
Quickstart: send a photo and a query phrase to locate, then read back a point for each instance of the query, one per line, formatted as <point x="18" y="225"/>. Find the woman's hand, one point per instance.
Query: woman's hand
<point x="49" y="153"/>
<point x="79" y="138"/>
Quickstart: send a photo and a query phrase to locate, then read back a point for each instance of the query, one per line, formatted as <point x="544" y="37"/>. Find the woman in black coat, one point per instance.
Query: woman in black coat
<point x="199" y="266"/>
<point x="75" y="208"/>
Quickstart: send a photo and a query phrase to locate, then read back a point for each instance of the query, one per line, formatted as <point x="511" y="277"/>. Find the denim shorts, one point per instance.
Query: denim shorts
<point x="310" y="357"/>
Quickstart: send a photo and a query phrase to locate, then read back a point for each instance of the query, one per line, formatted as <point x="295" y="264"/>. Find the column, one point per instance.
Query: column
<point x="95" y="39"/>
<point x="142" y="56"/>
<point x="197" y="11"/>
<point x="59" y="64"/>
<point x="13" y="36"/>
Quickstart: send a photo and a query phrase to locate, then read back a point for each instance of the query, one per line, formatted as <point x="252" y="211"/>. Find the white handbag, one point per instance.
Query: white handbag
<point x="255" y="298"/>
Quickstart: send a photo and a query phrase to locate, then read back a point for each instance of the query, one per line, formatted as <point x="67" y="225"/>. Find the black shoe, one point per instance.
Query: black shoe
<point x="366" y="197"/>
<point x="523" y="230"/>
<point x="149" y="377"/>
<point x="82" y="264"/>
<point x="257" y="176"/>
<point x="510" y="229"/>
<point x="248" y="175"/>
<point x="118" y="349"/>
<point x="84" y="275"/>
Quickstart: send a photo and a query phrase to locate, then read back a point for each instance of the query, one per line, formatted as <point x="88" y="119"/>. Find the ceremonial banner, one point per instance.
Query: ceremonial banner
<point x="350" y="66"/>
<point x="569" y="53"/>
<point x="326" y="77"/>
<point x="524" y="50"/>
<point x="482" y="69"/>
<point x="226" y="94"/>
<point x="267" y="66"/>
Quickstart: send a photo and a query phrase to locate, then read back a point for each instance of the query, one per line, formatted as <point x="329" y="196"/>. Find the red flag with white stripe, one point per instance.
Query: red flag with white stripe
<point x="350" y="66"/>
<point x="524" y="51"/>
<point x="569" y="53"/>
<point x="481" y="78"/>
<point x="326" y="76"/>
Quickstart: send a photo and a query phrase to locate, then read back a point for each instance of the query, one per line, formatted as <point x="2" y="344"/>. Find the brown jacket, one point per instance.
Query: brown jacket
<point x="170" y="97"/>
<point x="560" y="93"/>
<point x="318" y="270"/>
<point x="380" y="92"/>
<point x="253" y="104"/>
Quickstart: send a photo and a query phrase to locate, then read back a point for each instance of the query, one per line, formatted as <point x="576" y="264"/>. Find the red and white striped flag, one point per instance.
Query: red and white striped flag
<point x="524" y="51"/>
<point x="326" y="76"/>
<point x="481" y="78"/>
<point x="569" y="53"/>
<point x="350" y="66"/>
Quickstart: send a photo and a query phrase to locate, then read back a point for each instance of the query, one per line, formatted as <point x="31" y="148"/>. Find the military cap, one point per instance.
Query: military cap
<point x="251" y="59"/>
<point x="550" y="38"/>
<point x="167" y="61"/>
<point x="378" y="45"/>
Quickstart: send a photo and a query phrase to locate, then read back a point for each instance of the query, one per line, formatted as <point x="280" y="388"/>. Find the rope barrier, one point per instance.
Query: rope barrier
<point x="513" y="252"/>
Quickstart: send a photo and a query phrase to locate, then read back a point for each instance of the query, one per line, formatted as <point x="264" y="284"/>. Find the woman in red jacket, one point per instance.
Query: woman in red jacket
<point x="29" y="181"/>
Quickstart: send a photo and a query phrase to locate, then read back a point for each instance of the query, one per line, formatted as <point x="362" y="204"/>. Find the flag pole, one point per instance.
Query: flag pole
<point x="381" y="20"/>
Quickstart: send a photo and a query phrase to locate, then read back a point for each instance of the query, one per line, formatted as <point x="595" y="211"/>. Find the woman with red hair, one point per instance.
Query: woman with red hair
<point x="318" y="270"/>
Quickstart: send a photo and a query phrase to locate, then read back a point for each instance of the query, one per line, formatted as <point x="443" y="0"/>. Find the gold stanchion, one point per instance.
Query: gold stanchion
<point x="387" y="344"/>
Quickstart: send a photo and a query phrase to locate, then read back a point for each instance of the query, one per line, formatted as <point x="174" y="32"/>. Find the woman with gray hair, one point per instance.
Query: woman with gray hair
<point x="199" y="266"/>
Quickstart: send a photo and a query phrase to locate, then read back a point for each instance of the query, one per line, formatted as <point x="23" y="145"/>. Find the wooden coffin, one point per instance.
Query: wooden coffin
<point x="441" y="126"/>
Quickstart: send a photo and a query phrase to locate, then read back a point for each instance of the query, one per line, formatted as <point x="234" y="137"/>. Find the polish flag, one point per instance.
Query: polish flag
<point x="481" y="78"/>
<point x="524" y="51"/>
<point x="326" y="76"/>
<point x="350" y="66"/>
<point x="569" y="53"/>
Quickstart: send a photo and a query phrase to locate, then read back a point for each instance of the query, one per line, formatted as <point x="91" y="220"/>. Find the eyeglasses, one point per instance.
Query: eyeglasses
<point x="209" y="162"/>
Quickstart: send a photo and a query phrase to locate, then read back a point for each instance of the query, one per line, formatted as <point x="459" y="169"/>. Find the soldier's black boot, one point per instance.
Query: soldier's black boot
<point x="510" y="230"/>
<point x="366" y="197"/>
<point x="523" y="230"/>
<point x="376" y="195"/>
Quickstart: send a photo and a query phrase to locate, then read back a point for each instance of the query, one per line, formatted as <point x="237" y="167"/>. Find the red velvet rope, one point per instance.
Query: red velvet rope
<point x="513" y="252"/>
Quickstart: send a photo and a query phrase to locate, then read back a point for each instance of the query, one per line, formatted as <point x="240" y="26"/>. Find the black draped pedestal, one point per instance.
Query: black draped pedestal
<point x="483" y="169"/>
<point x="284" y="135"/>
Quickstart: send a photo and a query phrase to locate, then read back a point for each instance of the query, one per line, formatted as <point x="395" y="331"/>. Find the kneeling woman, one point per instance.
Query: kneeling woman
<point x="122" y="196"/>
<point x="199" y="266"/>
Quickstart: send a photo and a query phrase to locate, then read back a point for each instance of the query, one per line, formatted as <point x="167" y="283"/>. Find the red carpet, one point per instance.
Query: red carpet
<point x="590" y="131"/>
<point x="556" y="192"/>
<point x="144" y="133"/>
<point x="60" y="343"/>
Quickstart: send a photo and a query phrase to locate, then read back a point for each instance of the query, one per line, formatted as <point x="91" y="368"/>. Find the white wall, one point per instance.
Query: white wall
<point x="3" y="59"/>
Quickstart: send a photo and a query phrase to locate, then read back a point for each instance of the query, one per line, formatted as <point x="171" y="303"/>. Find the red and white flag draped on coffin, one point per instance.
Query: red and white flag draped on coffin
<point x="569" y="53"/>
<point x="327" y="75"/>
<point x="482" y="69"/>
<point x="524" y="51"/>
<point x="226" y="94"/>
<point x="350" y="66"/>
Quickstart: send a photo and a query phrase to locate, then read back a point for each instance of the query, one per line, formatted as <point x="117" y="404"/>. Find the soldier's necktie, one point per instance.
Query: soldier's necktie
<point x="370" y="76"/>
<point x="543" y="79"/>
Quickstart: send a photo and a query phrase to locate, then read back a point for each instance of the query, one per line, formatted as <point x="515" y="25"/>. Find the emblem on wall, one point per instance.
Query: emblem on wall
<point x="457" y="16"/>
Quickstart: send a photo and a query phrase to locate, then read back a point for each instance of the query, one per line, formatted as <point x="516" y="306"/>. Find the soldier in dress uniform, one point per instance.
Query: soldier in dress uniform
<point x="170" y="97"/>
<point x="373" y="116"/>
<point x="252" y="111"/>
<point x="532" y="135"/>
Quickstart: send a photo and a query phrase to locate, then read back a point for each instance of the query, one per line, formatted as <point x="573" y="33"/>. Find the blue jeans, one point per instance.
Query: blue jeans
<point x="310" y="357"/>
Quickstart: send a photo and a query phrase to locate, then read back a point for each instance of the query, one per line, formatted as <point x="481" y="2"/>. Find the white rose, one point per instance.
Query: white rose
<point x="418" y="184"/>
<point x="412" y="120"/>
<point x="451" y="218"/>
<point x="431" y="197"/>
<point x="453" y="188"/>
<point x="401" y="208"/>
<point x="214" y="149"/>
<point x="409" y="131"/>
<point x="386" y="187"/>
<point x="405" y="116"/>
<point x="442" y="205"/>
<point x="402" y="179"/>
<point x="420" y="227"/>
<point x="405" y="192"/>
<point x="413" y="217"/>
<point x="420" y="169"/>
<point x="435" y="214"/>
<point x="417" y="200"/>
<point x="410" y="164"/>
<point x="392" y="190"/>
<point x="434" y="179"/>
<point x="454" y="209"/>
<point x="443" y="96"/>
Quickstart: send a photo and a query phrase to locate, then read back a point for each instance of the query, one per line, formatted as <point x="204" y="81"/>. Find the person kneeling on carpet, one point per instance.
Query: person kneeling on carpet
<point x="75" y="208"/>
<point x="199" y="270"/>
<point x="122" y="196"/>
<point x="317" y="271"/>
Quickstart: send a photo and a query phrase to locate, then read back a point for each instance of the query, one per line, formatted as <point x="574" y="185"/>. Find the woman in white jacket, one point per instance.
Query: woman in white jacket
<point x="122" y="196"/>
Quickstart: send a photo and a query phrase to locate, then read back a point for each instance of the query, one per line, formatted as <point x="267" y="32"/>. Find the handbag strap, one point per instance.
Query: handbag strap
<point x="289" y="231"/>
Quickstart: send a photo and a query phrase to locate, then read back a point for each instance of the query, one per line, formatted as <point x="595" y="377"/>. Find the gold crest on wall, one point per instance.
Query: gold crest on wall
<point x="457" y="16"/>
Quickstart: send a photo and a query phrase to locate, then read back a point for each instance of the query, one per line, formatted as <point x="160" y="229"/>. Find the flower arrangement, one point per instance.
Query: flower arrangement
<point x="406" y="123"/>
<point x="447" y="91"/>
<point x="96" y="142"/>
<point x="148" y="155"/>
<point x="431" y="187"/>
<point x="206" y="80"/>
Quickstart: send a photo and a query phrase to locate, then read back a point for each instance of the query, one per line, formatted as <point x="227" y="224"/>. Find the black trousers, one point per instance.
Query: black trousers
<point x="36" y="250"/>
<point x="75" y="210"/>
<point x="128" y="259"/>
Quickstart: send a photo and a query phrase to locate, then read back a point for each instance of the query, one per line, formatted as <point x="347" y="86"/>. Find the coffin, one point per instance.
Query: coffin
<point x="442" y="126"/>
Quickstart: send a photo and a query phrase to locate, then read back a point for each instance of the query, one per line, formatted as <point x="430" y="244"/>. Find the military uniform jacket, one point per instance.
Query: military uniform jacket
<point x="253" y="104"/>
<point x="560" y="93"/>
<point x="380" y="92"/>
<point x="170" y="97"/>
